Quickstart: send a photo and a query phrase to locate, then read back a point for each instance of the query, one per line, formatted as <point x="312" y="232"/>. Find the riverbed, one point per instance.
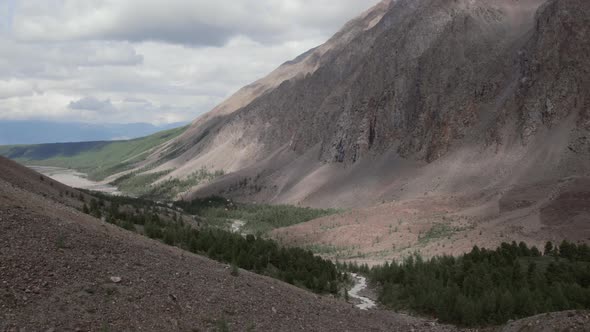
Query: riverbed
<point x="75" y="179"/>
<point x="360" y="284"/>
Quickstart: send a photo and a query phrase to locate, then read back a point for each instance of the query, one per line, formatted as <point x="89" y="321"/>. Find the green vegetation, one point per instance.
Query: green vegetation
<point x="168" y="189"/>
<point x="138" y="185"/>
<point x="97" y="159"/>
<point x="259" y="218"/>
<point x="293" y="265"/>
<point x="437" y="231"/>
<point x="483" y="287"/>
<point x="487" y="287"/>
<point x="235" y="271"/>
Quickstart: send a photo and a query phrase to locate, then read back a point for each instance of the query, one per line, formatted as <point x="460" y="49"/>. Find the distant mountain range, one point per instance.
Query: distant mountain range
<point x="38" y="132"/>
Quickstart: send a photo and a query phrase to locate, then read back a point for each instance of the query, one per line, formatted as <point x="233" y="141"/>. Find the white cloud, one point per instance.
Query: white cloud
<point x="196" y="22"/>
<point x="16" y="88"/>
<point x="92" y="104"/>
<point x="154" y="61"/>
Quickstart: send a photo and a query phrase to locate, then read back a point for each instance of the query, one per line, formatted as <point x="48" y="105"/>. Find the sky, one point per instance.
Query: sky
<point x="156" y="61"/>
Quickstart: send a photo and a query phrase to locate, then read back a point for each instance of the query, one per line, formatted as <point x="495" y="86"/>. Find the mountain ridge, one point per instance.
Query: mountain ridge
<point x="297" y="118"/>
<point x="474" y="114"/>
<point x="21" y="132"/>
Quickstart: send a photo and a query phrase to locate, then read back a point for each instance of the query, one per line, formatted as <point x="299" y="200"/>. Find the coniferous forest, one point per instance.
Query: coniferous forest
<point x="488" y="287"/>
<point x="483" y="287"/>
<point x="296" y="266"/>
<point x="292" y="265"/>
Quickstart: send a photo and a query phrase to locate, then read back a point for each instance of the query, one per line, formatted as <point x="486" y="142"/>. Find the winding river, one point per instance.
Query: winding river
<point x="360" y="284"/>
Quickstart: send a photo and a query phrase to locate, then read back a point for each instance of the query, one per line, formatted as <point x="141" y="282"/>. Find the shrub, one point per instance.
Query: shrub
<point x="235" y="271"/>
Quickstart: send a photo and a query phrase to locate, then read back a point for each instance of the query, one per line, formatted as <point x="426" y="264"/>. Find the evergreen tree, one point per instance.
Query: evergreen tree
<point x="548" y="248"/>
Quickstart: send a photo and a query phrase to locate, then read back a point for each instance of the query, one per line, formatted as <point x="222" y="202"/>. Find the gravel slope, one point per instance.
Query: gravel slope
<point x="57" y="267"/>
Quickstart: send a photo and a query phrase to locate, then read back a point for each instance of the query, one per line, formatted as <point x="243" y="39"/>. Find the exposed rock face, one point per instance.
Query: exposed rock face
<point x="554" y="68"/>
<point x="431" y="83"/>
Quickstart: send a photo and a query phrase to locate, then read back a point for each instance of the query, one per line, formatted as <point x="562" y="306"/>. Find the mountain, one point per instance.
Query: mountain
<point x="475" y="111"/>
<point x="457" y="122"/>
<point x="38" y="132"/>
<point x="425" y="96"/>
<point x="434" y="125"/>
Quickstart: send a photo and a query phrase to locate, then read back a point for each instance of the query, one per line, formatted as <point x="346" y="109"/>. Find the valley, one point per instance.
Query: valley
<point x="72" y="217"/>
<point x="72" y="233"/>
<point x="416" y="154"/>
<point x="75" y="179"/>
<point x="427" y="168"/>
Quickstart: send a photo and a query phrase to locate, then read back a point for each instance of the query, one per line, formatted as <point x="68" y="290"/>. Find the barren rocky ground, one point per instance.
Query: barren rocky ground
<point x="442" y="224"/>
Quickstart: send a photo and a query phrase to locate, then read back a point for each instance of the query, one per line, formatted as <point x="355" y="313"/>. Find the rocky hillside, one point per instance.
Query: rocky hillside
<point x="63" y="270"/>
<point x="412" y="97"/>
<point x="468" y="116"/>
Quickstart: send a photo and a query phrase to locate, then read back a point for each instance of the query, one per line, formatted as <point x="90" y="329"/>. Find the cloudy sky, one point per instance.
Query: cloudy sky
<point x="157" y="61"/>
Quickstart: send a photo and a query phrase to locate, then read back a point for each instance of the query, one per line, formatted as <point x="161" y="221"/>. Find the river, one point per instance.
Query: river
<point x="75" y="179"/>
<point x="360" y="284"/>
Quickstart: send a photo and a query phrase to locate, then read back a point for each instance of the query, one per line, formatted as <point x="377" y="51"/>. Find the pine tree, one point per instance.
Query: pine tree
<point x="548" y="248"/>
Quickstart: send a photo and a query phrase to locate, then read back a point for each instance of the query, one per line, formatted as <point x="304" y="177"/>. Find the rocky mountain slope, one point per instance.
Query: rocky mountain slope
<point x="474" y="113"/>
<point x="413" y="97"/>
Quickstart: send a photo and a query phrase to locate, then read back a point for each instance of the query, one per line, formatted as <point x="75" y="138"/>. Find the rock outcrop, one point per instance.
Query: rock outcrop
<point x="411" y="97"/>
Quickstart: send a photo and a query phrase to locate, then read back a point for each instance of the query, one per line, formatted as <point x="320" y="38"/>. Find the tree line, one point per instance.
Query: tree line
<point x="487" y="287"/>
<point x="263" y="256"/>
<point x="259" y="218"/>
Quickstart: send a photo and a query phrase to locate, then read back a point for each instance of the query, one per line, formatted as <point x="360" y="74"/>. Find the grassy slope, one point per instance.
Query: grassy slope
<point x="97" y="159"/>
<point x="259" y="218"/>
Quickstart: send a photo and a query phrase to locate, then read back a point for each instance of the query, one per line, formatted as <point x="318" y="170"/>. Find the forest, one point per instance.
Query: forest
<point x="259" y="218"/>
<point x="293" y="265"/>
<point x="487" y="287"/>
<point x="263" y="256"/>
